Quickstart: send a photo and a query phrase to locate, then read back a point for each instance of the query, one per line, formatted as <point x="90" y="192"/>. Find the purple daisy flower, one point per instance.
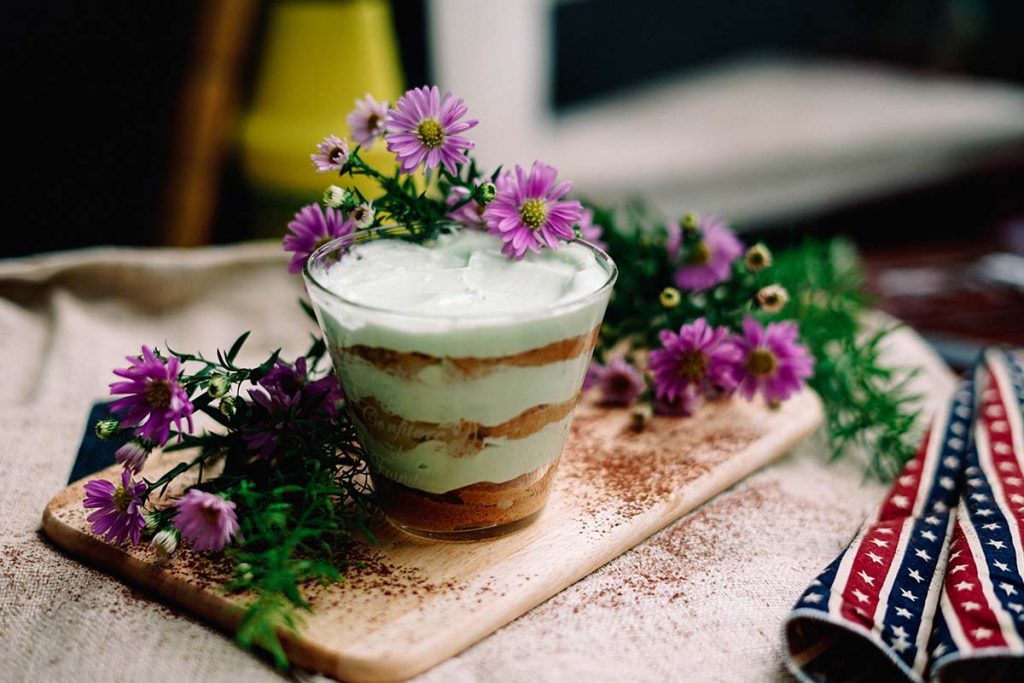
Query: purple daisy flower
<point x="366" y="122"/>
<point x="132" y="455"/>
<point x="311" y="228"/>
<point x="470" y="214"/>
<point x="118" y="515"/>
<point x="591" y="231"/>
<point x="699" y="359"/>
<point x="771" y="360"/>
<point x="527" y="212"/>
<point x="205" y="519"/>
<point x="424" y="128"/>
<point x="684" y="405"/>
<point x="284" y="395"/>
<point x="619" y="382"/>
<point x="331" y="154"/>
<point x="154" y="395"/>
<point x="710" y="259"/>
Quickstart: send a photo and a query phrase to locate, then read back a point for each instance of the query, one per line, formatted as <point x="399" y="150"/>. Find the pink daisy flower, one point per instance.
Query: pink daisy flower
<point x="470" y="214"/>
<point x="118" y="515"/>
<point x="155" y="399"/>
<point x="710" y="260"/>
<point x="424" y="128"/>
<point x="698" y="359"/>
<point x="331" y="154"/>
<point x="205" y="519"/>
<point x="366" y="122"/>
<point x="619" y="382"/>
<point x="528" y="211"/>
<point x="590" y="230"/>
<point x="771" y="360"/>
<point x="310" y="229"/>
<point x="362" y="215"/>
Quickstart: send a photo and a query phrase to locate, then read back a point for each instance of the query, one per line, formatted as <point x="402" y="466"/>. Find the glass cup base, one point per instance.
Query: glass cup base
<point x="474" y="533"/>
<point x="482" y="510"/>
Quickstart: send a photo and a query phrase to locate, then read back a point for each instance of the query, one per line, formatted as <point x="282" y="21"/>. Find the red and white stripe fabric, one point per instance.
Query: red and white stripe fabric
<point x="931" y="588"/>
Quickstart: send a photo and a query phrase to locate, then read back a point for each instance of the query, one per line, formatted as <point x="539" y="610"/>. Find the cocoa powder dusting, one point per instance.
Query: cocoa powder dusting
<point x="608" y="476"/>
<point x="696" y="556"/>
<point x="626" y="472"/>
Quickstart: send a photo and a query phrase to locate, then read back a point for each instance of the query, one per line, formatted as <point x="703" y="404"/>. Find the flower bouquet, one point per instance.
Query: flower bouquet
<point x="300" y="462"/>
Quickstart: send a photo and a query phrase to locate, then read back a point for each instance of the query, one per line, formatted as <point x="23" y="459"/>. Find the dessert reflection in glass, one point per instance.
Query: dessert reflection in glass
<point x="460" y="367"/>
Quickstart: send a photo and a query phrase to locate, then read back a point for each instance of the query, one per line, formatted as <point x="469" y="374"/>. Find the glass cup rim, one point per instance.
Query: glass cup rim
<point x="550" y="311"/>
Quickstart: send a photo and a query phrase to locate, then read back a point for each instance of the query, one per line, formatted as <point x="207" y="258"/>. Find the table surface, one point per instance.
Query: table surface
<point x="706" y="596"/>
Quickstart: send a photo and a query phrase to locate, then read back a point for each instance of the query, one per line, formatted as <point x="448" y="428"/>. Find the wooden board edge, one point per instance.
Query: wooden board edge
<point x="370" y="667"/>
<point x="208" y="607"/>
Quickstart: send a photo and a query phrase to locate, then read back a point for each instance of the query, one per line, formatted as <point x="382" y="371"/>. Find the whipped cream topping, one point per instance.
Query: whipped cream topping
<point x="462" y="274"/>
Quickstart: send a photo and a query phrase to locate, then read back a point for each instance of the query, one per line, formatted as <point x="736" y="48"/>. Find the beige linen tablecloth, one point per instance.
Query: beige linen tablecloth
<point x="702" y="600"/>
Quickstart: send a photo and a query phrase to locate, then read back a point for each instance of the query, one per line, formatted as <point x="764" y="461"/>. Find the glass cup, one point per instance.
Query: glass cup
<point x="463" y="417"/>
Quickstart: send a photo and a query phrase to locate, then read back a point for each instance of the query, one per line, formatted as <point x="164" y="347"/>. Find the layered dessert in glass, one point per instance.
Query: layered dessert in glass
<point x="461" y="368"/>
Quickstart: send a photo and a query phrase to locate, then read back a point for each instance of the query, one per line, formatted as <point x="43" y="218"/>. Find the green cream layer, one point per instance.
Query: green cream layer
<point x="431" y="467"/>
<point x="490" y="399"/>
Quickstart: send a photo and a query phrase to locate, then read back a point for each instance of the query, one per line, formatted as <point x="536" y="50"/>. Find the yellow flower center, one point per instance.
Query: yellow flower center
<point x="693" y="365"/>
<point x="762" y="362"/>
<point x="122" y="498"/>
<point x="158" y="393"/>
<point x="533" y="213"/>
<point x="430" y="133"/>
<point x="701" y="254"/>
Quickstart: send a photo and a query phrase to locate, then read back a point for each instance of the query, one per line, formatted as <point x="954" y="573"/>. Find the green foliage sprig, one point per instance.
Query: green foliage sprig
<point x="417" y="203"/>
<point x="867" y="403"/>
<point x="300" y="503"/>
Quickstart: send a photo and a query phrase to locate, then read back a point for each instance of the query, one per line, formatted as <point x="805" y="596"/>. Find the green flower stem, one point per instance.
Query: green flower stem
<point x="356" y="166"/>
<point x="456" y="181"/>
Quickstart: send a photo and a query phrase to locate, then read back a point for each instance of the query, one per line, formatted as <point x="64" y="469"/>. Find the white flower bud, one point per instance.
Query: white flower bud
<point x="107" y="428"/>
<point x="772" y="298"/>
<point x="640" y="416"/>
<point x="152" y="523"/>
<point x="228" y="406"/>
<point x="335" y="196"/>
<point x="164" y="543"/>
<point x="218" y="385"/>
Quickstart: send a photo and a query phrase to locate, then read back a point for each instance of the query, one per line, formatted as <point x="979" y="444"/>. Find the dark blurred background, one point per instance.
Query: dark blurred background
<point x="899" y="123"/>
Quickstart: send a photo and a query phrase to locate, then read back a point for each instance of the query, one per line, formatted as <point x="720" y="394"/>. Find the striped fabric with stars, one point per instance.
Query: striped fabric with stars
<point x="931" y="588"/>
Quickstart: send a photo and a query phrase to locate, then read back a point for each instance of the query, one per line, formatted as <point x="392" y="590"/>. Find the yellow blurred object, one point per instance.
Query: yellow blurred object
<point x="318" y="59"/>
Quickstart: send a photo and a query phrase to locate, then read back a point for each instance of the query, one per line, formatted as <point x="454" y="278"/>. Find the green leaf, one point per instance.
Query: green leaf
<point x="236" y="347"/>
<point x="308" y="310"/>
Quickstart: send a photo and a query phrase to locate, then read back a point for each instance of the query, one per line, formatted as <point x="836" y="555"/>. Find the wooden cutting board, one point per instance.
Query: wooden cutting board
<point x="413" y="603"/>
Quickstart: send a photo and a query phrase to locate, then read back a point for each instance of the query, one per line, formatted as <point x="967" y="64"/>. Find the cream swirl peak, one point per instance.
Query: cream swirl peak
<point x="462" y="274"/>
